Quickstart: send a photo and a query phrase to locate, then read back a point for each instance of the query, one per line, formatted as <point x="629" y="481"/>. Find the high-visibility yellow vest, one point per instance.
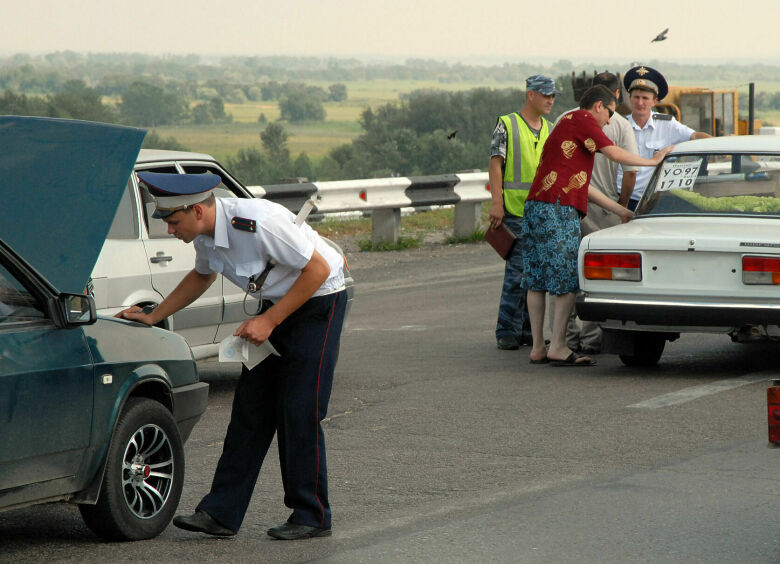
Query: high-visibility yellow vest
<point x="523" y="151"/>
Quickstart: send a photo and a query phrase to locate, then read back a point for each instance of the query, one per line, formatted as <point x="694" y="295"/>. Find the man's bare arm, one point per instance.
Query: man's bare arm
<point x="496" y="180"/>
<point x="615" y="153"/>
<point x="599" y="198"/>
<point x="188" y="290"/>
<point x="257" y="329"/>
<point x="627" y="187"/>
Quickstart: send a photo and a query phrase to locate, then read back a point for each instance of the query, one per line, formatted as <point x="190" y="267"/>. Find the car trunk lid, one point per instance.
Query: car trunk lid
<point x="690" y="256"/>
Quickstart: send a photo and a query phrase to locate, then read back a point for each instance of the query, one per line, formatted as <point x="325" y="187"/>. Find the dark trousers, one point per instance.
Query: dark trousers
<point x="287" y="395"/>
<point x="513" y="320"/>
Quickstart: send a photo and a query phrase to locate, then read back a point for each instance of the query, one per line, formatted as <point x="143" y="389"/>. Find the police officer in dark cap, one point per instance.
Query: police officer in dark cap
<point x="256" y="245"/>
<point x="654" y="131"/>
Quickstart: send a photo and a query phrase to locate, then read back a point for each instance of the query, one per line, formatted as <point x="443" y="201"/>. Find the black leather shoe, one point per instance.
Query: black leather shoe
<point x="526" y="340"/>
<point x="294" y="531"/>
<point x="507" y="343"/>
<point x="202" y="522"/>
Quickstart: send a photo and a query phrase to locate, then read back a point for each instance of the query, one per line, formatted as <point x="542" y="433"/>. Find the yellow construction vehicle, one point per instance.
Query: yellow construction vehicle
<point x="712" y="111"/>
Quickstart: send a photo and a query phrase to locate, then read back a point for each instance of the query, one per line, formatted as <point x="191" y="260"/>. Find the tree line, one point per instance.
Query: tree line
<point x="426" y="132"/>
<point x="43" y="73"/>
<point x="146" y="104"/>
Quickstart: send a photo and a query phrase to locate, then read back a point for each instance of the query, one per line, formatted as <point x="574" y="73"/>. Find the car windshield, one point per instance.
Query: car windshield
<point x="714" y="184"/>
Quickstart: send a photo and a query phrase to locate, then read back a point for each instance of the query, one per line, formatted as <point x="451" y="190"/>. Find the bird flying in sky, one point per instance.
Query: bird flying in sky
<point x="661" y="36"/>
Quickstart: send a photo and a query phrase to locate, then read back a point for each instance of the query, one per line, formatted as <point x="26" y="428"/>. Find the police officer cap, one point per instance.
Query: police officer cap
<point x="541" y="83"/>
<point x="646" y="78"/>
<point x="174" y="192"/>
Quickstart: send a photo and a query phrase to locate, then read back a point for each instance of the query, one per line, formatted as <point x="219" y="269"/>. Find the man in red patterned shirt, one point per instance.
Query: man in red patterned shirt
<point x="558" y="198"/>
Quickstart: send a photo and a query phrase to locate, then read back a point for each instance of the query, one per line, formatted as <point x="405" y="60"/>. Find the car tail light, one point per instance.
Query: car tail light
<point x="773" y="412"/>
<point x="760" y="270"/>
<point x="613" y="266"/>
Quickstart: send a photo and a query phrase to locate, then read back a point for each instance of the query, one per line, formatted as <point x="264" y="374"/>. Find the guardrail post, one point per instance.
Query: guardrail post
<point x="385" y="225"/>
<point x="468" y="216"/>
<point x="472" y="189"/>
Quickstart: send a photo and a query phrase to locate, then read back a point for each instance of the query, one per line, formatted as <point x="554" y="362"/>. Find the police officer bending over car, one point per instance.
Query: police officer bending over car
<point x="302" y="314"/>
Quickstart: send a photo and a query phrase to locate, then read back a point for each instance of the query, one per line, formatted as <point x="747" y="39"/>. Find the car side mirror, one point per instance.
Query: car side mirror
<point x="77" y="309"/>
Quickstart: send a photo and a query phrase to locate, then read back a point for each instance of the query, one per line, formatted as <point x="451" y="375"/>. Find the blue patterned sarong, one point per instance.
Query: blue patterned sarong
<point x="551" y="239"/>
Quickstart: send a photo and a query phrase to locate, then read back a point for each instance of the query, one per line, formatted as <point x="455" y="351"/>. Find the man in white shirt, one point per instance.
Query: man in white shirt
<point x="257" y="245"/>
<point x="653" y="131"/>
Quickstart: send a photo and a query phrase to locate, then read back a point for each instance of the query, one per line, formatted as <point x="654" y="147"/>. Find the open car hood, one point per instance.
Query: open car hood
<point x="61" y="182"/>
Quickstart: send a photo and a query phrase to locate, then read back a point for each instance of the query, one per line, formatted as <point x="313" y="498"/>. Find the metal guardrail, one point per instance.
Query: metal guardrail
<point x="385" y="197"/>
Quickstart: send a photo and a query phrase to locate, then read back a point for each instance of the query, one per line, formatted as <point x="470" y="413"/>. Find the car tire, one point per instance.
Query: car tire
<point x="648" y="348"/>
<point x="144" y="475"/>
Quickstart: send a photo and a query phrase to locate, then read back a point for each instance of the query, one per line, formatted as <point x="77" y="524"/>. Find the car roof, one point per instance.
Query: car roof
<point x="62" y="183"/>
<point x="155" y="155"/>
<point x="731" y="144"/>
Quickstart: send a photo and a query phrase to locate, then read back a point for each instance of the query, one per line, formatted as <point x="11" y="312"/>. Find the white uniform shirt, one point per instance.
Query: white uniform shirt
<point x="239" y="254"/>
<point x="654" y="136"/>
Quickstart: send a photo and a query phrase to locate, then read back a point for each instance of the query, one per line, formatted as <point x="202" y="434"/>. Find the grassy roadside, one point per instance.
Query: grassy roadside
<point x="420" y="228"/>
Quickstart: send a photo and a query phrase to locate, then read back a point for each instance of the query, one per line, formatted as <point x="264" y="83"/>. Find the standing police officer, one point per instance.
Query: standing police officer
<point x="653" y="131"/>
<point x="515" y="150"/>
<point x="302" y="316"/>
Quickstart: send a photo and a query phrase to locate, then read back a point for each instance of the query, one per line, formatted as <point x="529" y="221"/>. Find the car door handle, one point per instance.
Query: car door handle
<point x="161" y="258"/>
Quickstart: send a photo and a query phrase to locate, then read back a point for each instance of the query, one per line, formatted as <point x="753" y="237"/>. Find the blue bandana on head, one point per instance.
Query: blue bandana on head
<point x="541" y="83"/>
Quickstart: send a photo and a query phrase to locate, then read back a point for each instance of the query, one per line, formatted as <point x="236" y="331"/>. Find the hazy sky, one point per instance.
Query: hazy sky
<point x="704" y="30"/>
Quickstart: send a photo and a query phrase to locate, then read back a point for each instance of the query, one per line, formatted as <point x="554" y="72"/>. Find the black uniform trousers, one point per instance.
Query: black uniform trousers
<point x="287" y="395"/>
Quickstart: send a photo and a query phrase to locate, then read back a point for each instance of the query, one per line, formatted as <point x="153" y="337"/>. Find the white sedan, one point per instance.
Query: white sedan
<point x="140" y="263"/>
<point x="702" y="253"/>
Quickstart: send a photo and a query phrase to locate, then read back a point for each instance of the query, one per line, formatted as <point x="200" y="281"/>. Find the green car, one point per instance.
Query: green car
<point x="93" y="411"/>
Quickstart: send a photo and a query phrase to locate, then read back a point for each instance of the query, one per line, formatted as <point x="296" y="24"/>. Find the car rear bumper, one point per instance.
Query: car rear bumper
<point x="189" y="403"/>
<point x="676" y="312"/>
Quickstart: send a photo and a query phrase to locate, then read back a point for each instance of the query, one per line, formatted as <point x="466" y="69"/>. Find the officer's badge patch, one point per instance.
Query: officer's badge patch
<point x="244" y="224"/>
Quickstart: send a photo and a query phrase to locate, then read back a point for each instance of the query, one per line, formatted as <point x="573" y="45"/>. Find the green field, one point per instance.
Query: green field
<point x="316" y="139"/>
<point x="223" y="140"/>
<point x="341" y="123"/>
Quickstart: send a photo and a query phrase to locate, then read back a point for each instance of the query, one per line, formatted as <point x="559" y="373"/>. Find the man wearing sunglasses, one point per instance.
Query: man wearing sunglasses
<point x="587" y="337"/>
<point x="551" y="228"/>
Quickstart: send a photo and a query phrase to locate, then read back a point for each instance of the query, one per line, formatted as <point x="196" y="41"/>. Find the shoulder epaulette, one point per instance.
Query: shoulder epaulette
<point x="663" y="117"/>
<point x="244" y="224"/>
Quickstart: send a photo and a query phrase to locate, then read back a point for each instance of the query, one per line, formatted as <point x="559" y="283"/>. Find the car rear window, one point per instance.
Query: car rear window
<point x="714" y="184"/>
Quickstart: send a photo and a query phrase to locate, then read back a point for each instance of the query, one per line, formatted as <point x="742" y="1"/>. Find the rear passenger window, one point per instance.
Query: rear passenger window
<point x="228" y="188"/>
<point x="125" y="225"/>
<point x="157" y="228"/>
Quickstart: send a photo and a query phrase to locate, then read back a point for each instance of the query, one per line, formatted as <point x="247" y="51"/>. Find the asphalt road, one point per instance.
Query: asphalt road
<point x="442" y="448"/>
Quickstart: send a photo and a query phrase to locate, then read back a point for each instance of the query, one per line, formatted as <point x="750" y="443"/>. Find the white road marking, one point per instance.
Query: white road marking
<point x="695" y="392"/>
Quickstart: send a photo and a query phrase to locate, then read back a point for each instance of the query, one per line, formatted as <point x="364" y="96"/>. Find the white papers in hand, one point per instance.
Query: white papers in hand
<point x="236" y="349"/>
